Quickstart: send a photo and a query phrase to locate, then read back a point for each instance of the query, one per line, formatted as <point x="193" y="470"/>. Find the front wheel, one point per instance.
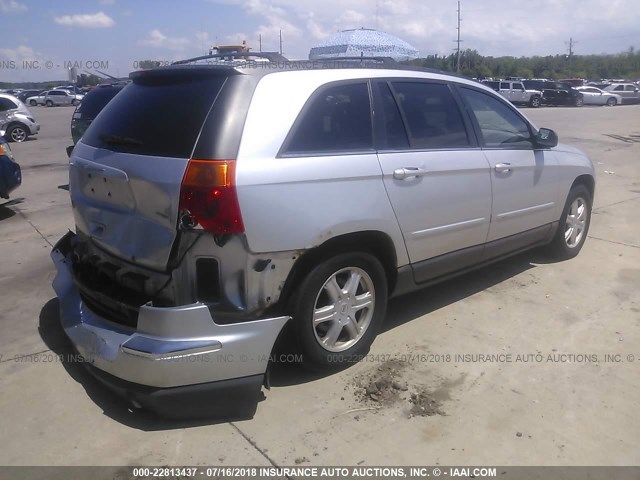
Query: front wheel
<point x="33" y="103"/>
<point x="535" y="102"/>
<point x="74" y="102"/>
<point x="339" y="308"/>
<point x="49" y="103"/>
<point x="612" y="102"/>
<point x="574" y="224"/>
<point x="579" y="102"/>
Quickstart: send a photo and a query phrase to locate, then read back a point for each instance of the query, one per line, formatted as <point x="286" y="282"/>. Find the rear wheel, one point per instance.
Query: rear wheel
<point x="17" y="133"/>
<point x="574" y="224"/>
<point x="339" y="308"/>
<point x="612" y="102"/>
<point x="33" y="103"/>
<point x="534" y="102"/>
<point x="579" y="102"/>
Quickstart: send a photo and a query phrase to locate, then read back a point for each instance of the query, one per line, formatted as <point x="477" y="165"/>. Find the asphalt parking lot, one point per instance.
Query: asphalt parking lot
<point x="527" y="362"/>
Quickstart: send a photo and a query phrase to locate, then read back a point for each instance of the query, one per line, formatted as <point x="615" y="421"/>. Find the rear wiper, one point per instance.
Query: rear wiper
<point x="119" y="140"/>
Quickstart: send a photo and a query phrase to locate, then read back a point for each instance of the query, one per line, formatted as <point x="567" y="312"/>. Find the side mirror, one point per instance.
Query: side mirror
<point x="546" y="138"/>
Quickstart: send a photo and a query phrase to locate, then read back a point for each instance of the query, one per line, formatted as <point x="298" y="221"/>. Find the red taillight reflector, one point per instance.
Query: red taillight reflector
<point x="208" y="195"/>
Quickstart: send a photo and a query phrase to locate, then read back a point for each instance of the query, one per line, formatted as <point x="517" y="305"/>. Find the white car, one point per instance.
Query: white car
<point x="628" y="91"/>
<point x="55" y="97"/>
<point x="595" y="96"/>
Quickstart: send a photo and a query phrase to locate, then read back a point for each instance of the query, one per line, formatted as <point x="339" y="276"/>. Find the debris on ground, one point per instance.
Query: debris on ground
<point x="384" y="385"/>
<point x="424" y="405"/>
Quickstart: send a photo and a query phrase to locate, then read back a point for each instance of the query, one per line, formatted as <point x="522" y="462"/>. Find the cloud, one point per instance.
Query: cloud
<point x="12" y="6"/>
<point x="491" y="27"/>
<point x="22" y="52"/>
<point x="91" y="20"/>
<point x="157" y="39"/>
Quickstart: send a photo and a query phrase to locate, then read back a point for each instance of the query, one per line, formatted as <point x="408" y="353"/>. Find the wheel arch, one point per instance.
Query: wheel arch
<point x="16" y="123"/>
<point x="376" y="243"/>
<point x="588" y="181"/>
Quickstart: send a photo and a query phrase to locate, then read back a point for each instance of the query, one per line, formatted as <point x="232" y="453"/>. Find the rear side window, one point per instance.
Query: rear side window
<point x="431" y="115"/>
<point x="499" y="124"/>
<point x="6" y="104"/>
<point x="160" y="116"/>
<point x="336" y="119"/>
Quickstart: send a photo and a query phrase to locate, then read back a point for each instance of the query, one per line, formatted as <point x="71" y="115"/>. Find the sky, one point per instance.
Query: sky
<point x="41" y="38"/>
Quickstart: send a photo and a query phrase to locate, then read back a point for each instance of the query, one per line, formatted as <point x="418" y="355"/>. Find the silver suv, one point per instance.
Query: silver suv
<point x="216" y="203"/>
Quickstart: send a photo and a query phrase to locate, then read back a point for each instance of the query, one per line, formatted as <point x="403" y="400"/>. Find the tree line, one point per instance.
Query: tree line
<point x="619" y="66"/>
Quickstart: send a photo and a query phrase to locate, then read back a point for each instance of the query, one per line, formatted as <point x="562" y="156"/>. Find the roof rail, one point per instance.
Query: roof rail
<point x="271" y="56"/>
<point x="362" y="58"/>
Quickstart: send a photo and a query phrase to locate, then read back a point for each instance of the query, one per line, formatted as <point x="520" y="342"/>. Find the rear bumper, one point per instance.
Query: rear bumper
<point x="174" y="352"/>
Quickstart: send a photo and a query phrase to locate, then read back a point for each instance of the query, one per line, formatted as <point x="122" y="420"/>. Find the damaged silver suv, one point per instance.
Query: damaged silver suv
<point x="216" y="203"/>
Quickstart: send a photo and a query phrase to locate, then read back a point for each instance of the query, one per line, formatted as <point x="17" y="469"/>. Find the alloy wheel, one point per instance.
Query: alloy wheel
<point x="575" y="223"/>
<point x="343" y="309"/>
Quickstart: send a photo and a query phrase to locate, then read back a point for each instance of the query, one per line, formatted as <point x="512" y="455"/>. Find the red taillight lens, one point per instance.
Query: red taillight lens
<point x="208" y="195"/>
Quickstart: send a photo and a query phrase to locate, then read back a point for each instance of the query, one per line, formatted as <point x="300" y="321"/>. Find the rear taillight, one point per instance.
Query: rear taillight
<point x="208" y="197"/>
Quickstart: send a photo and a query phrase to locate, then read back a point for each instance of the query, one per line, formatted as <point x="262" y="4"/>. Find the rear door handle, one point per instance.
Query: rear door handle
<point x="408" y="172"/>
<point x="502" y="167"/>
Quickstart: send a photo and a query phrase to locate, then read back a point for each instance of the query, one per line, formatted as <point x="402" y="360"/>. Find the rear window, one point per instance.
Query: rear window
<point x="159" y="115"/>
<point x="95" y="101"/>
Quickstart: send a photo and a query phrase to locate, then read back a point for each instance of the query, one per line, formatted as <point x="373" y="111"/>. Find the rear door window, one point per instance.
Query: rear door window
<point x="431" y="115"/>
<point x="335" y="119"/>
<point x="393" y="134"/>
<point x="159" y="115"/>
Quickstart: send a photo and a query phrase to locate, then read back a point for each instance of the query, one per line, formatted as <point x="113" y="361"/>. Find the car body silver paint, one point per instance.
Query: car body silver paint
<point x="128" y="204"/>
<point x="171" y="346"/>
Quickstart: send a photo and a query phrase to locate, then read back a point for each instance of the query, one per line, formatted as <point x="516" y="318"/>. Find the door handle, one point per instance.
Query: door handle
<point x="408" y="172"/>
<point x="502" y="167"/>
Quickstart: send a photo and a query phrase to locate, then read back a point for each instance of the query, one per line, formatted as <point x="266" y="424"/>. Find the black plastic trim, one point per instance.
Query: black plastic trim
<point x="226" y="399"/>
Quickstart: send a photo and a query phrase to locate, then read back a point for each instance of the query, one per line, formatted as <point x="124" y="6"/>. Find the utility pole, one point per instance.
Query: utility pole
<point x="458" y="41"/>
<point x="571" y="44"/>
<point x="260" y="41"/>
<point x="280" y="42"/>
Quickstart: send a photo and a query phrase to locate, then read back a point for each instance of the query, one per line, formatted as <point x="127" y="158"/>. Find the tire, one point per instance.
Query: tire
<point x="74" y="102"/>
<point x="535" y="102"/>
<point x="612" y="102"/>
<point x="33" y="103"/>
<point x="356" y="310"/>
<point x="574" y="224"/>
<point x="49" y="103"/>
<point x="17" y="133"/>
<point x="579" y="102"/>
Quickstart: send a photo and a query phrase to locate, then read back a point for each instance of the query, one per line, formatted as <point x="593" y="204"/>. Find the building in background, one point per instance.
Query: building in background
<point x="363" y="42"/>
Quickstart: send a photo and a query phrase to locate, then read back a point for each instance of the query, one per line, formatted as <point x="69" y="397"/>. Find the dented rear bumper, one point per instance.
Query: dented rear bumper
<point x="177" y="361"/>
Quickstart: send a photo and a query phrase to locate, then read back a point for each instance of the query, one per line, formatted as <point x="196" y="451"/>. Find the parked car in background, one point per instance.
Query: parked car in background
<point x="61" y="97"/>
<point x="16" y="121"/>
<point x="207" y="222"/>
<point x="555" y="93"/>
<point x="91" y="105"/>
<point x="628" y="91"/>
<point x="516" y="93"/>
<point x="595" y="96"/>
<point x="26" y="94"/>
<point x="10" y="175"/>
<point x="37" y="99"/>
